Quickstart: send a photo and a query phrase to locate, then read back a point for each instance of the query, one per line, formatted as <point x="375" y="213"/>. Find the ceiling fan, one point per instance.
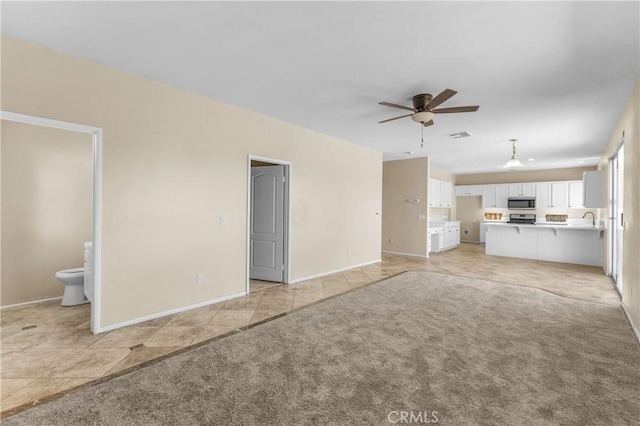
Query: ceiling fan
<point x="423" y="107"/>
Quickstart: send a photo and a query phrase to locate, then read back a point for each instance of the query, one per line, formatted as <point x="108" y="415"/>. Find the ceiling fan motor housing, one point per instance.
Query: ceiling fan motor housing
<point x="421" y="101"/>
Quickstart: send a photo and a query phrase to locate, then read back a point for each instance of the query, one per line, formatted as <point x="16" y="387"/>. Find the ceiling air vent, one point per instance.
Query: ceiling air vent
<point x="460" y="135"/>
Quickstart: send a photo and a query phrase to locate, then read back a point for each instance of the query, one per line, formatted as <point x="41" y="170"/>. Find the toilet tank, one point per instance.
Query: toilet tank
<point x="88" y="270"/>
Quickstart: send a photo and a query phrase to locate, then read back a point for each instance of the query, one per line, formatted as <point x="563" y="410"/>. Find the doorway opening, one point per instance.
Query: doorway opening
<point x="93" y="286"/>
<point x="268" y="220"/>
<point x="616" y="217"/>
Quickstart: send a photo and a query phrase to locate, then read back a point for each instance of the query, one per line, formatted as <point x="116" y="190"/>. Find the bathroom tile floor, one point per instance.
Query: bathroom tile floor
<point x="47" y="349"/>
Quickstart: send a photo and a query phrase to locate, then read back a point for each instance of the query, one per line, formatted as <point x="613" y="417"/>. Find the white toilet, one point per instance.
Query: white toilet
<point x="73" y="280"/>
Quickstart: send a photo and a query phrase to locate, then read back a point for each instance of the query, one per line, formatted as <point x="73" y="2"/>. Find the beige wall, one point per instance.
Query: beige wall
<point x="629" y="123"/>
<point x="469" y="213"/>
<point x="441" y="174"/>
<point x="402" y="230"/>
<point x="47" y="192"/>
<point x="175" y="162"/>
<point x="523" y="176"/>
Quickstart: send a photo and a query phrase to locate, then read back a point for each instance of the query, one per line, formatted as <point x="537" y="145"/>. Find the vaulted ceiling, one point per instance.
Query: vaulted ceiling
<point x="554" y="75"/>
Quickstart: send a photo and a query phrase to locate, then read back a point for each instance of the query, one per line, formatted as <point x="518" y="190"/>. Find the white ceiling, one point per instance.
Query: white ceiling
<point x="554" y="75"/>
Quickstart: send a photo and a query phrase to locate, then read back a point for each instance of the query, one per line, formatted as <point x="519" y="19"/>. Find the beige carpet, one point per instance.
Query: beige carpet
<point x="461" y="350"/>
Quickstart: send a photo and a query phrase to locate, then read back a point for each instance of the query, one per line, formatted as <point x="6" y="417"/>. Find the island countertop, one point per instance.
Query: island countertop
<point x="574" y="226"/>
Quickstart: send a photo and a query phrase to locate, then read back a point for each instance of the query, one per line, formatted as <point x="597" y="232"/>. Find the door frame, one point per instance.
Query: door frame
<point x="96" y="133"/>
<point x="286" y="214"/>
<point x="612" y="237"/>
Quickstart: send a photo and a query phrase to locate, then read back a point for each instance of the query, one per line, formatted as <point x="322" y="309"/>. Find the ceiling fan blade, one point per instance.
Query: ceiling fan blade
<point x="455" y="109"/>
<point x="442" y="96"/>
<point x="428" y="123"/>
<point x="395" y="118"/>
<point x="389" y="104"/>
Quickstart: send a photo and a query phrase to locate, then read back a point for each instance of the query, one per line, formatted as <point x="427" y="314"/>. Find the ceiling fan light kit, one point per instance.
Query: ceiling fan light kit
<point x="513" y="163"/>
<point x="422" y="117"/>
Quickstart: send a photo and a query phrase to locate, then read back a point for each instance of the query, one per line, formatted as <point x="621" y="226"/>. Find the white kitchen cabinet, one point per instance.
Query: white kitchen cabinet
<point x="576" y="195"/>
<point x="451" y="235"/>
<point x="457" y="234"/>
<point x="475" y="190"/>
<point x="515" y="189"/>
<point x="552" y="195"/>
<point x="488" y="196"/>
<point x="468" y="190"/>
<point x="560" y="195"/>
<point x="593" y="189"/>
<point x="495" y="196"/>
<point x="529" y="190"/>
<point x="522" y="190"/>
<point x="448" y="237"/>
<point x="444" y="236"/>
<point x="446" y="189"/>
<point x="434" y="193"/>
<point x="502" y="196"/>
<point x="543" y="195"/>
<point x="440" y="193"/>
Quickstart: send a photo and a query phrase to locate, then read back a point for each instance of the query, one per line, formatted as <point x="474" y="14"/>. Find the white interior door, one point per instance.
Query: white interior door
<point x="267" y="224"/>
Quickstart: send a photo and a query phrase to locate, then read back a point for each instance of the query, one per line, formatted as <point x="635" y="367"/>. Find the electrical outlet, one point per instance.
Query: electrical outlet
<point x="348" y="252"/>
<point x="223" y="220"/>
<point x="465" y="232"/>
<point x="390" y="241"/>
<point x="199" y="278"/>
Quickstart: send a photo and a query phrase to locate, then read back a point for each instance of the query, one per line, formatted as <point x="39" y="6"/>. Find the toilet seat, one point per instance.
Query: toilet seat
<point x="70" y="272"/>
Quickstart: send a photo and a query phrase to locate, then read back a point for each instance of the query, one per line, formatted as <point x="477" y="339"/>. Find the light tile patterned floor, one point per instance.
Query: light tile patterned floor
<point x="47" y="349"/>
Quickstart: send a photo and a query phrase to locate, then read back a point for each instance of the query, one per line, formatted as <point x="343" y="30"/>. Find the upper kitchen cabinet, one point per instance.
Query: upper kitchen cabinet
<point x="468" y="190"/>
<point x="576" y="196"/>
<point x="522" y="190"/>
<point x="560" y="195"/>
<point x="543" y="195"/>
<point x="446" y="193"/>
<point x="593" y="189"/>
<point x="495" y="196"/>
<point x="440" y="193"/>
<point x="552" y="195"/>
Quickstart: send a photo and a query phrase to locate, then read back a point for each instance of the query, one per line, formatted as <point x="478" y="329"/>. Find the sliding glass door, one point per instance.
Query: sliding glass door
<point x="616" y="216"/>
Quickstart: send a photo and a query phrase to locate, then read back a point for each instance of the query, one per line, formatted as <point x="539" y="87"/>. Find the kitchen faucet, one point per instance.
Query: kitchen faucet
<point x="593" y="222"/>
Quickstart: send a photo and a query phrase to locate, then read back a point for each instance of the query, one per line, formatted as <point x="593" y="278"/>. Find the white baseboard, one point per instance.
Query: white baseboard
<point x="310" y="277"/>
<point x="169" y="312"/>
<point x="633" y="326"/>
<point x="405" y="254"/>
<point x="31" y="302"/>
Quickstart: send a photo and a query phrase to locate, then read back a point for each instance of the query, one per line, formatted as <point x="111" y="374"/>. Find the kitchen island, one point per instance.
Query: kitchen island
<point x="567" y="243"/>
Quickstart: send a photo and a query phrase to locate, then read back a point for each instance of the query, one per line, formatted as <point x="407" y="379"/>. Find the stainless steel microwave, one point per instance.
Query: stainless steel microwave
<point x="521" y="203"/>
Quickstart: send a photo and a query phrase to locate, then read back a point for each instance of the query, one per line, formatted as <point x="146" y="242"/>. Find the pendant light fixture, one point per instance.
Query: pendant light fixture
<point x="513" y="164"/>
